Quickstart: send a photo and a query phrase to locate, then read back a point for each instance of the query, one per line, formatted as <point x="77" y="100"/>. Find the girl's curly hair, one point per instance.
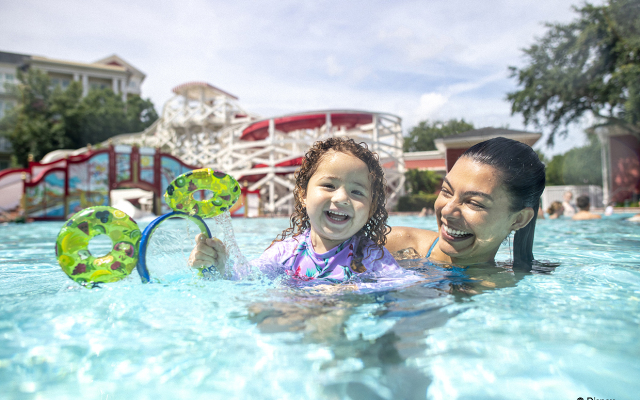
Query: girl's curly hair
<point x="376" y="227"/>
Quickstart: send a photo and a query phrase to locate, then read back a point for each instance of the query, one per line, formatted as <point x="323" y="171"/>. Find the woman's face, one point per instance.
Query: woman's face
<point x="473" y="213"/>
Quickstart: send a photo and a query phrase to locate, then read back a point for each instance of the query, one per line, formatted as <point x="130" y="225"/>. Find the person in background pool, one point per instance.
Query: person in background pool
<point x="339" y="224"/>
<point x="569" y="208"/>
<point x="583" y="203"/>
<point x="608" y="211"/>
<point x="555" y="210"/>
<point x="492" y="190"/>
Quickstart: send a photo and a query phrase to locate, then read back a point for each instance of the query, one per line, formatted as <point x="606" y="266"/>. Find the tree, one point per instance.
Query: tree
<point x="48" y="118"/>
<point x="591" y="65"/>
<point x="107" y="115"/>
<point x="583" y="165"/>
<point x="421" y="137"/>
<point x="140" y="113"/>
<point x="554" y="170"/>
<point x="44" y="118"/>
<point x="417" y="181"/>
<point x="578" y="166"/>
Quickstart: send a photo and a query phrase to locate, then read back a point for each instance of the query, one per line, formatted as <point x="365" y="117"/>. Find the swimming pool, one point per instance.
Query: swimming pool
<point x="572" y="333"/>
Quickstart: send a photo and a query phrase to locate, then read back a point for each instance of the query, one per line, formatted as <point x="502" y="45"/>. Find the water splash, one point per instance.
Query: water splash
<point x="237" y="266"/>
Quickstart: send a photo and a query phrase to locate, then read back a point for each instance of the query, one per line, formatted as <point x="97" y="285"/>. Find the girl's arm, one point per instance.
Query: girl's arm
<point x="210" y="252"/>
<point x="402" y="237"/>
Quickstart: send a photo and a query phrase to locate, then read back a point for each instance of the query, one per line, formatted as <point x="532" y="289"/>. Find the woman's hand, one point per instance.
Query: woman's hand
<point x="208" y="252"/>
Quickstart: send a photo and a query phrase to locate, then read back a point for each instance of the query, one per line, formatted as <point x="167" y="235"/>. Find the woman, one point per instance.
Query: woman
<point x="492" y="190"/>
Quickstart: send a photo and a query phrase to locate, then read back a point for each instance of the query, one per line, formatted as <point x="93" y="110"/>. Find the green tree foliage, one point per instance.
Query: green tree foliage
<point x="421" y="137"/>
<point x="416" y="202"/>
<point x="48" y="118"/>
<point x="417" y="181"/>
<point x="41" y="121"/>
<point x="140" y="113"/>
<point x="591" y="65"/>
<point x="421" y="186"/>
<point x="578" y="166"/>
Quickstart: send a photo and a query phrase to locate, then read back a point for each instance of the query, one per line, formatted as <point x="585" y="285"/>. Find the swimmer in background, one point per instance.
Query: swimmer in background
<point x="555" y="210"/>
<point x="608" y="211"/>
<point x="339" y="224"/>
<point x="584" y="206"/>
<point x="569" y="208"/>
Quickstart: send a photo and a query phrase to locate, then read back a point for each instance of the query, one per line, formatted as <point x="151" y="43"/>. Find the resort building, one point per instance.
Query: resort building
<point x="620" y="154"/>
<point x="450" y="148"/>
<point x="109" y="72"/>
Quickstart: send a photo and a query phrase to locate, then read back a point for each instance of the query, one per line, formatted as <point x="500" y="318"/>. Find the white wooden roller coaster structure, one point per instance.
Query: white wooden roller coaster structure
<point x="203" y="125"/>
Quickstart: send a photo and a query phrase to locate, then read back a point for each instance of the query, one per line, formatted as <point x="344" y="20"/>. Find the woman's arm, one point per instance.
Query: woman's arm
<point x="401" y="238"/>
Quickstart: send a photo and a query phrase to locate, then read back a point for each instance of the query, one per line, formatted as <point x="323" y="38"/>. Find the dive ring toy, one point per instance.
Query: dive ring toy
<point x="148" y="231"/>
<point x="73" y="240"/>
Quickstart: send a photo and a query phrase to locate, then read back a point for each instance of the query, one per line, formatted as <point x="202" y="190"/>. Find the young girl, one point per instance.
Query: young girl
<point x="339" y="224"/>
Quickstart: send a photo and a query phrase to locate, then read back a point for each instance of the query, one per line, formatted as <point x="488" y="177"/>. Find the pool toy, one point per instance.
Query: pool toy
<point x="179" y="194"/>
<point x="73" y="240"/>
<point x="148" y="231"/>
<point x="130" y="248"/>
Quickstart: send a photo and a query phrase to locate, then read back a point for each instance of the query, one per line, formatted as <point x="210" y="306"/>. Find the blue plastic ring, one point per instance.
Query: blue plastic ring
<point x="148" y="231"/>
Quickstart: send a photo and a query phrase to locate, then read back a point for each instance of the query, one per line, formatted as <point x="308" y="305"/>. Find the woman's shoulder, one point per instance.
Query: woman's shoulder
<point x="402" y="237"/>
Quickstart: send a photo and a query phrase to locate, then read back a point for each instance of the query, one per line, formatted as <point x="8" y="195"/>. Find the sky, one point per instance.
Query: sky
<point x="419" y="60"/>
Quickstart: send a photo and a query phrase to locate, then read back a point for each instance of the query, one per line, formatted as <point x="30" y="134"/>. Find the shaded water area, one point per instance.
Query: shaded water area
<point x="468" y="333"/>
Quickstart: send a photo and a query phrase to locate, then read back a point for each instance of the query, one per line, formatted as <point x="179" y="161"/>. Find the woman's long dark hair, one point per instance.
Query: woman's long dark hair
<point x="523" y="176"/>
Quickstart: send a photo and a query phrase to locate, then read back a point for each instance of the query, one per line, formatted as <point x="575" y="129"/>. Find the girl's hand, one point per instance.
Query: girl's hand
<point x="208" y="252"/>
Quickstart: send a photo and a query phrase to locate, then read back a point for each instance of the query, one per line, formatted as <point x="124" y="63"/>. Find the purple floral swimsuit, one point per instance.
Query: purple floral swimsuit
<point x="295" y="257"/>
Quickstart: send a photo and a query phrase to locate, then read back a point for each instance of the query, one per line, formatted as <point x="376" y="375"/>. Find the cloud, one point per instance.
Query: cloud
<point x="416" y="59"/>
<point x="333" y="69"/>
<point x="431" y="104"/>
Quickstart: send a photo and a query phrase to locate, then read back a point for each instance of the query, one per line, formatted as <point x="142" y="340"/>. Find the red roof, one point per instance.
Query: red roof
<point x="260" y="129"/>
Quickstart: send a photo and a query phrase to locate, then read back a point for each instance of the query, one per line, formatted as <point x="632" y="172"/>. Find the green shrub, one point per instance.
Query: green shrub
<point x="416" y="202"/>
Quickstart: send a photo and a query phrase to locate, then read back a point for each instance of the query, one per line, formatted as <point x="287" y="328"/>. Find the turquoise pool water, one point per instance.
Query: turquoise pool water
<point x="458" y="334"/>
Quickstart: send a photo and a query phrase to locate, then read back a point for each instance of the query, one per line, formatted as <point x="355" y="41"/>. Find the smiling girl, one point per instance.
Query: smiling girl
<point x="339" y="221"/>
<point x="492" y="190"/>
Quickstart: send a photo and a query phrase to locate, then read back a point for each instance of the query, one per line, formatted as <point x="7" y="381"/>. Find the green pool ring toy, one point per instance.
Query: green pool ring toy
<point x="179" y="194"/>
<point x="72" y="244"/>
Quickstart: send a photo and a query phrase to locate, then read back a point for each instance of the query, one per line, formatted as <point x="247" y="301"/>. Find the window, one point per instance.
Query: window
<point x="5" y="106"/>
<point x="97" y="85"/>
<point x="6" y="78"/>
<point x="62" y="82"/>
<point x="5" y="145"/>
<point x="133" y="85"/>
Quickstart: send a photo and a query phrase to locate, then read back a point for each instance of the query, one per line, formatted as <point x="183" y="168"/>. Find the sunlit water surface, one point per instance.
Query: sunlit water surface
<point x="459" y="333"/>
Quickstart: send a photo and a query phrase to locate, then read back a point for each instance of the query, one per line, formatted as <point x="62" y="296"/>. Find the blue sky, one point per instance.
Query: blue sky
<point x="417" y="59"/>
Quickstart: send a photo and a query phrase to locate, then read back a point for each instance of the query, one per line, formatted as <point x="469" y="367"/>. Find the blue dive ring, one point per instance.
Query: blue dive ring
<point x="148" y="231"/>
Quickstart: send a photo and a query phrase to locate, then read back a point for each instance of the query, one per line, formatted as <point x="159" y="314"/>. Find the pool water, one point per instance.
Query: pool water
<point x="459" y="333"/>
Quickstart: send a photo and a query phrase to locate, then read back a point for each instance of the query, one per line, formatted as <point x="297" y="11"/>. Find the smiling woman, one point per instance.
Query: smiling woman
<point x="492" y="190"/>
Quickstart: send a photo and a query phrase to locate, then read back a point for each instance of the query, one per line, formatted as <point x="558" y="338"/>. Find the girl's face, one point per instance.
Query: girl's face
<point x="473" y="213"/>
<point x="338" y="199"/>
